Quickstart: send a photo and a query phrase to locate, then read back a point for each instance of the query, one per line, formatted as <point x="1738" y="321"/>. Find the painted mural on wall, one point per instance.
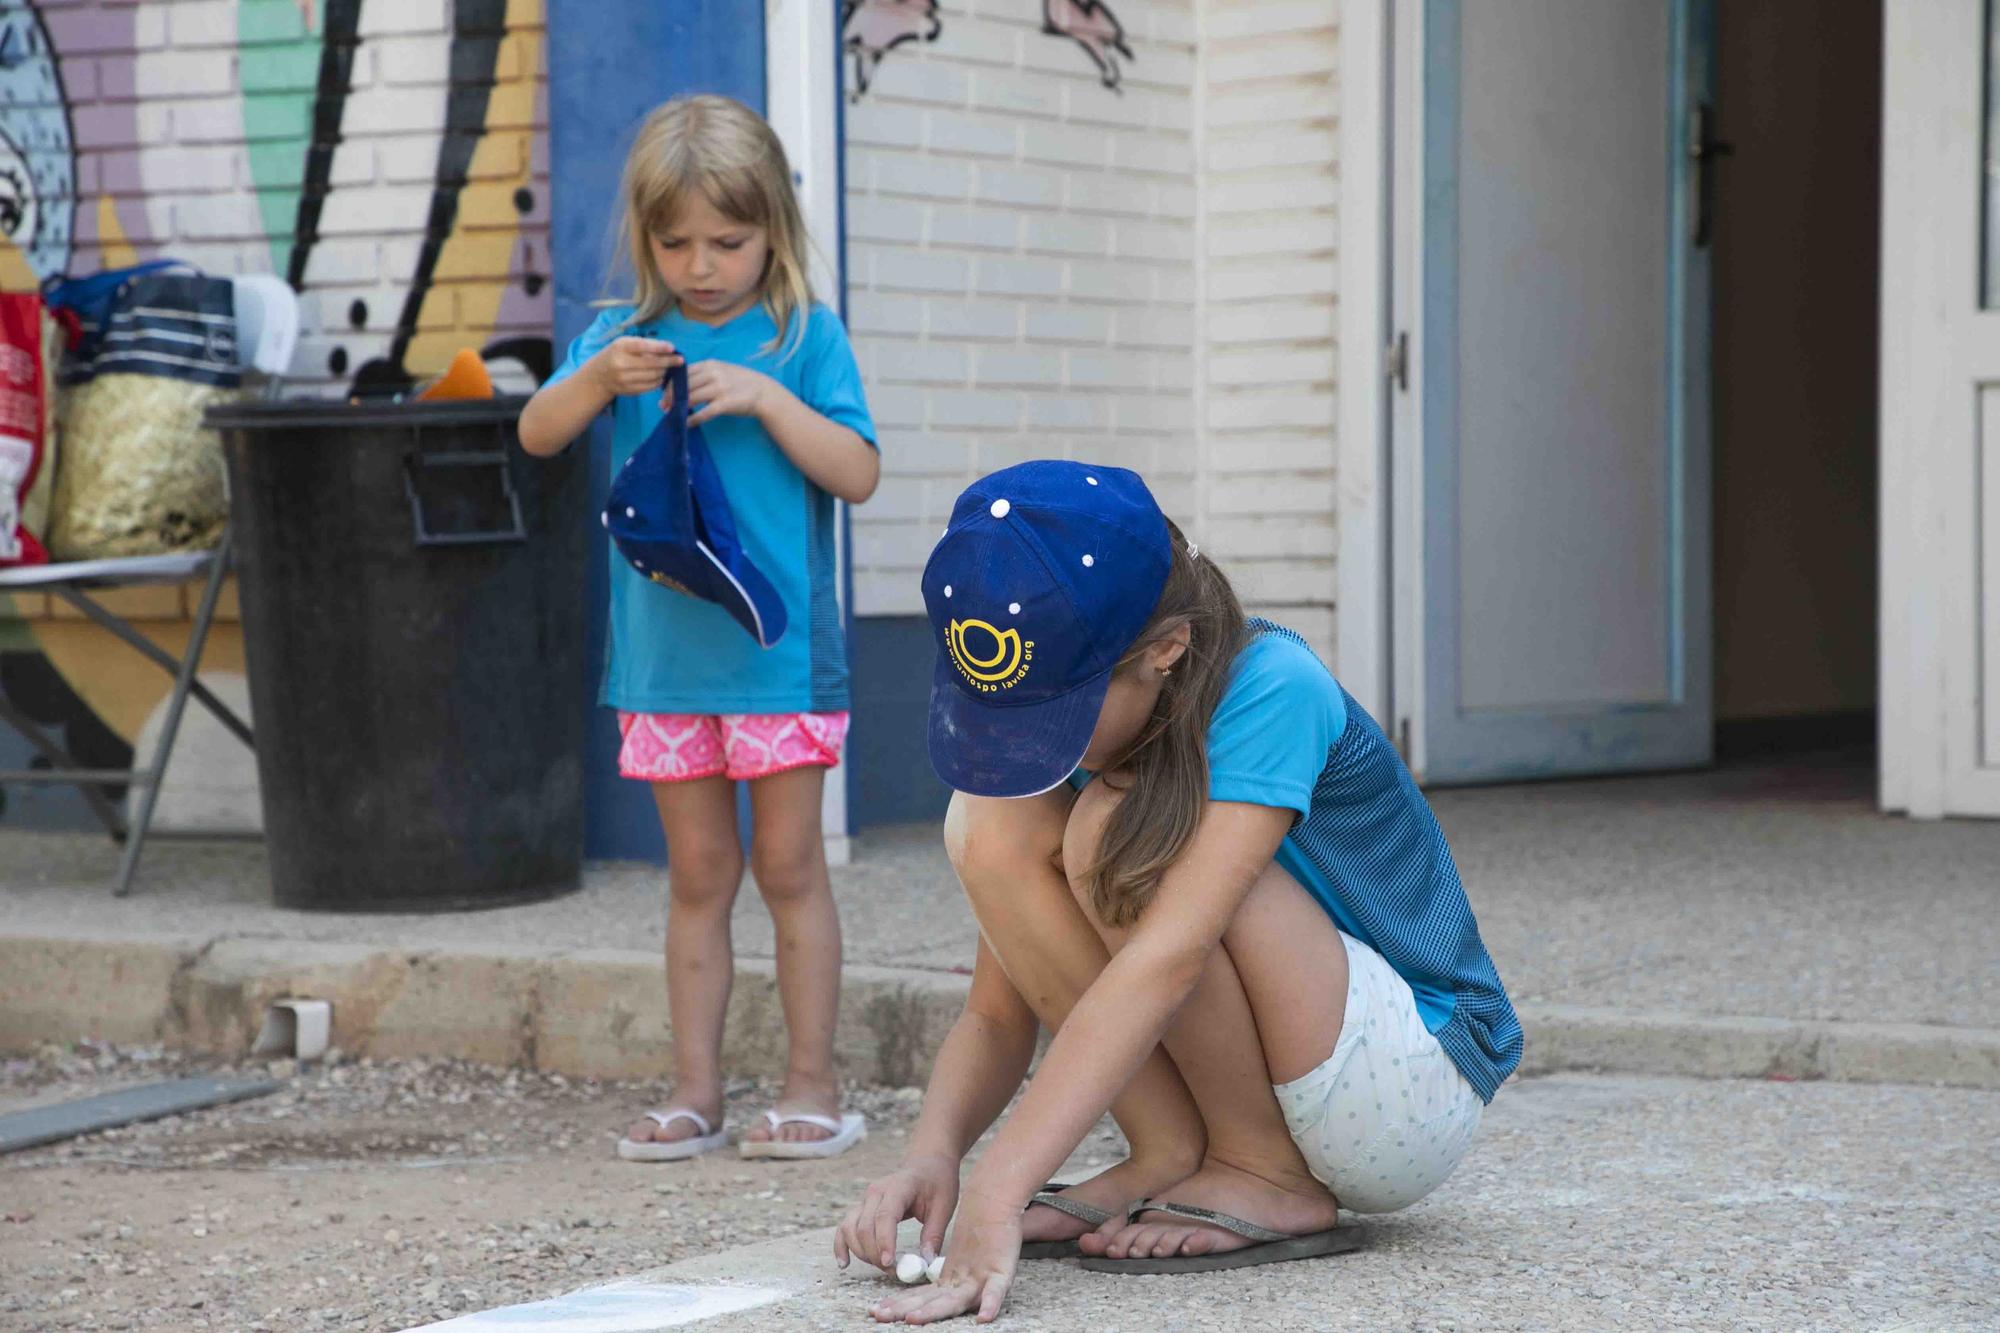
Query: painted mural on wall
<point x="37" y="155"/>
<point x="285" y="164"/>
<point x="871" y="29"/>
<point x="1092" y="26"/>
<point x="473" y="105"/>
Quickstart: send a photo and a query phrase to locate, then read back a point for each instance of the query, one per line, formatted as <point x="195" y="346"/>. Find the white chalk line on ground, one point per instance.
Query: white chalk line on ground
<point x="348" y="1164"/>
<point x="630" y="1306"/>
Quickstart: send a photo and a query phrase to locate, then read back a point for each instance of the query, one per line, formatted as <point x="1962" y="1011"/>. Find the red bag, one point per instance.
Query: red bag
<point x="27" y="461"/>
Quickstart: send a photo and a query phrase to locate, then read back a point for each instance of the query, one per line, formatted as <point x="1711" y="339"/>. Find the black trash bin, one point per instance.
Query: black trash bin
<point x="413" y="615"/>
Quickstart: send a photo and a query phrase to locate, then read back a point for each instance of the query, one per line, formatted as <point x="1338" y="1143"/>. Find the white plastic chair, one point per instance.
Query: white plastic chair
<point x="267" y="330"/>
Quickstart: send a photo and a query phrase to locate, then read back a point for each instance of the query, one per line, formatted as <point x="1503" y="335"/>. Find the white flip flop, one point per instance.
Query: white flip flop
<point x="708" y="1139"/>
<point x="847" y="1131"/>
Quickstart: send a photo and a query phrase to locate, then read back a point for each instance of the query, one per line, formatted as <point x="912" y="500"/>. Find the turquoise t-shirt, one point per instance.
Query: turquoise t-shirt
<point x="1365" y="844"/>
<point x="672" y="653"/>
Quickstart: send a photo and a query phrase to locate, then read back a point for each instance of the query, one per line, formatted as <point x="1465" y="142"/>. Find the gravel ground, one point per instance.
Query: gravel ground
<point x="373" y="1196"/>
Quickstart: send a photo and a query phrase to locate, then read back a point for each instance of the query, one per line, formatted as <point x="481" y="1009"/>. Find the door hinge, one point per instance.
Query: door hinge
<point x="1704" y="149"/>
<point x="1396" y="362"/>
<point x="1403" y="739"/>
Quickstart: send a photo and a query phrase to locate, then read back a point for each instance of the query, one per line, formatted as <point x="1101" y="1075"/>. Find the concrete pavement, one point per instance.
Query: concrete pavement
<point x="1587" y="1203"/>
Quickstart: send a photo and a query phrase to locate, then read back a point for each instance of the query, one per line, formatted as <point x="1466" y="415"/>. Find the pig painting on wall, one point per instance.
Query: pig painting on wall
<point x="1092" y="26"/>
<point x="870" y="29"/>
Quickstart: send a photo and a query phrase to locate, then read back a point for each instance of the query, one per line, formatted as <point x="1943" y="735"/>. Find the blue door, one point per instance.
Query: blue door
<point x="1564" y="469"/>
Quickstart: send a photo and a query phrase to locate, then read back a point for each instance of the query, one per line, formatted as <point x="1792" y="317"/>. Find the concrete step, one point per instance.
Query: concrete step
<point x="602" y="1013"/>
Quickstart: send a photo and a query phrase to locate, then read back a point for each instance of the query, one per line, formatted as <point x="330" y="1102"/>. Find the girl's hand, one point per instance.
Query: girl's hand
<point x="978" y="1269"/>
<point x="925" y="1188"/>
<point x="634" y="365"/>
<point x="718" y="388"/>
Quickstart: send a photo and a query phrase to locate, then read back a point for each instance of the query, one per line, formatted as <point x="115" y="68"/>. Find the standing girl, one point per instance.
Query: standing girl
<point x="718" y="249"/>
<point x="1245" y="930"/>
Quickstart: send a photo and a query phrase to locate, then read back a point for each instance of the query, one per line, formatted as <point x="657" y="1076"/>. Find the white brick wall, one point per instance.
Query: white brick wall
<point x="1042" y="266"/>
<point x="1269" y="189"/>
<point x="1021" y="245"/>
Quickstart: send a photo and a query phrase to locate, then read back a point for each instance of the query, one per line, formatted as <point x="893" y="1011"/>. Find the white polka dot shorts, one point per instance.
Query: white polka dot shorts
<point x="1388" y="1116"/>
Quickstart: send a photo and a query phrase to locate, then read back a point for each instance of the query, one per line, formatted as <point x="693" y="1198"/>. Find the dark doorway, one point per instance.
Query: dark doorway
<point x="1796" y="268"/>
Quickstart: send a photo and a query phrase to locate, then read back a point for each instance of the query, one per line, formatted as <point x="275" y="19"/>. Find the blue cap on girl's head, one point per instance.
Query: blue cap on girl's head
<point x="1046" y="575"/>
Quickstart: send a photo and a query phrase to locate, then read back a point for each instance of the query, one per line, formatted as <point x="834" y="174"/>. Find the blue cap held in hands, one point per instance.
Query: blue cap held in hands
<point x="671" y="520"/>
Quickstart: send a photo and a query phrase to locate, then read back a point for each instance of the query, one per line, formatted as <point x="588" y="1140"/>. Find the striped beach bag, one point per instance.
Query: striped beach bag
<point x="139" y="473"/>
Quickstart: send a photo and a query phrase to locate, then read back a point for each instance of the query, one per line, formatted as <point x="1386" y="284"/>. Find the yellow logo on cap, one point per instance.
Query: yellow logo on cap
<point x="992" y="659"/>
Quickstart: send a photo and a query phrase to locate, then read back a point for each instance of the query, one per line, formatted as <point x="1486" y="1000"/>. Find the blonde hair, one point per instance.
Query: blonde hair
<point x="1166" y="769"/>
<point x="723" y="151"/>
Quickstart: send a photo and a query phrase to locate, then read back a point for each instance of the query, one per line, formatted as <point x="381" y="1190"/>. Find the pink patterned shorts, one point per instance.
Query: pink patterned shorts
<point x="680" y="747"/>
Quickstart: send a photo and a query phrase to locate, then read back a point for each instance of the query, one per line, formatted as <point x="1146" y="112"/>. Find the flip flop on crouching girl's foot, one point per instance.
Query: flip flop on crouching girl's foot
<point x="1060" y="1215"/>
<point x="1222" y="1217"/>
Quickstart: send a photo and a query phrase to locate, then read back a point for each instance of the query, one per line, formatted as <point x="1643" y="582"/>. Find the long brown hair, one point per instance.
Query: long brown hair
<point x="1165" y="770"/>
<point x="722" y="150"/>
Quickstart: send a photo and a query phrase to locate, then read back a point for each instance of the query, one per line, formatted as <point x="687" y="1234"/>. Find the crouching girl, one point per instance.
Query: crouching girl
<point x="1196" y="860"/>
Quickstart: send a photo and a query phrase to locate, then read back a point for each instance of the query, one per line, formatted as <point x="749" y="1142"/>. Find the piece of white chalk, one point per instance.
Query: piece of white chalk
<point x="910" y="1268"/>
<point x="936" y="1268"/>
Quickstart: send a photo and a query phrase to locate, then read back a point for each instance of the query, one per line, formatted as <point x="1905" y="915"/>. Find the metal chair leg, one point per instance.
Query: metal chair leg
<point x="153" y="653"/>
<point x="170" y="727"/>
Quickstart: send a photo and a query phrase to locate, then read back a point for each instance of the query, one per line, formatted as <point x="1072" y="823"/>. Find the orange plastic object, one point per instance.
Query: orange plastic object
<point x="465" y="378"/>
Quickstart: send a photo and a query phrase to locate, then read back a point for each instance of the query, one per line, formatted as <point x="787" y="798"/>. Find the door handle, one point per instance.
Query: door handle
<point x="1703" y="149"/>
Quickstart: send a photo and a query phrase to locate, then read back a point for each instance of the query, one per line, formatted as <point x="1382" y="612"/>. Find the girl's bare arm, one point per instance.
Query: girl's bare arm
<point x="560" y="412"/>
<point x="1123" y="1015"/>
<point x="980" y="1065"/>
<point x="835" y="458"/>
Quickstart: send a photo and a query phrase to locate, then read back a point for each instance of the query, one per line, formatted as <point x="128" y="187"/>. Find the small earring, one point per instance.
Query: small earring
<point x="1165" y="672"/>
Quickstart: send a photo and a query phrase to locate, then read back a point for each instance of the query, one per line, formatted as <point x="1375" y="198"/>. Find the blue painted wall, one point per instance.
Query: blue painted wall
<point x="889" y="764"/>
<point x="610" y="62"/>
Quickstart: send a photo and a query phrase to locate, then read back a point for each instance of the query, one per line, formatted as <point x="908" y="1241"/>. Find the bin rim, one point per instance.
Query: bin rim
<point x="296" y="412"/>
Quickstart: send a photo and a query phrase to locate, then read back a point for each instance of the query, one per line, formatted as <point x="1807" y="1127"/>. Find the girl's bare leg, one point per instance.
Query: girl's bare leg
<point x="705" y="868"/>
<point x="1266" y="1010"/>
<point x="1007" y="855"/>
<point x="788" y="861"/>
